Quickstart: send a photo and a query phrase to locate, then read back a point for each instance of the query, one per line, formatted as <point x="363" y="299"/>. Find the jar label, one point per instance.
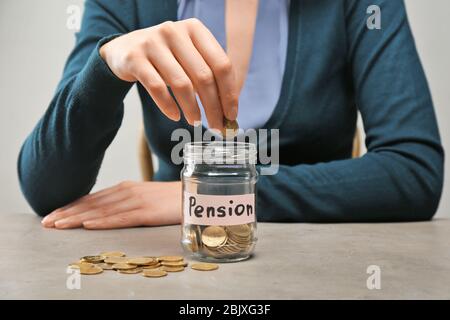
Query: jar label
<point x="224" y="210"/>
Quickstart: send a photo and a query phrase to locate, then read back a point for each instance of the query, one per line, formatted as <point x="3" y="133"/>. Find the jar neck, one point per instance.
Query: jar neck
<point x="219" y="152"/>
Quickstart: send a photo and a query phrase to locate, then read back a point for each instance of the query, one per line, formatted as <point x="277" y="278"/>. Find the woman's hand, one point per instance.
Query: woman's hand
<point x="185" y="56"/>
<point x="128" y="204"/>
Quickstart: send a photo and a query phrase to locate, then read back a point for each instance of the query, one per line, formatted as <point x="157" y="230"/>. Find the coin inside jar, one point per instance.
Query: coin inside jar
<point x="240" y="230"/>
<point x="193" y="241"/>
<point x="214" y="236"/>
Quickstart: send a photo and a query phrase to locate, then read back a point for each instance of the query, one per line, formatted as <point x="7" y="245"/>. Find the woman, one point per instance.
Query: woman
<point x="314" y="64"/>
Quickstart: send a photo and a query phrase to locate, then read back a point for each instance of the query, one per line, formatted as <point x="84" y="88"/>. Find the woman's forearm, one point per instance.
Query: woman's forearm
<point x="403" y="184"/>
<point x="60" y="159"/>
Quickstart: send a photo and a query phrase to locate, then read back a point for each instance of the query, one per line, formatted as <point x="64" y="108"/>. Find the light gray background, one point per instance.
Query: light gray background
<point x="35" y="42"/>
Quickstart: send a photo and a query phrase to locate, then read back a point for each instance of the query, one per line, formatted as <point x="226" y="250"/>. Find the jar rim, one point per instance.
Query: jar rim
<point x="220" y="152"/>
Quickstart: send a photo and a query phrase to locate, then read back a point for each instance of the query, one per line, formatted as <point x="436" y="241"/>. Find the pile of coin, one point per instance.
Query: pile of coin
<point x="148" y="266"/>
<point x="220" y="241"/>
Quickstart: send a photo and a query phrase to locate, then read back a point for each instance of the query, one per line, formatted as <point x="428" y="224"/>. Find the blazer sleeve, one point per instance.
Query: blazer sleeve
<point x="401" y="176"/>
<point x="60" y="159"/>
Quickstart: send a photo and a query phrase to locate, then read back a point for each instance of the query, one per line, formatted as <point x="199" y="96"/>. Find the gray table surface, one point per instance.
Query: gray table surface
<point x="291" y="261"/>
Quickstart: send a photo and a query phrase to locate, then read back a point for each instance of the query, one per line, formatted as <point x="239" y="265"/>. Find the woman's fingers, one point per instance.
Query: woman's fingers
<point x="86" y="203"/>
<point x="200" y="74"/>
<point x="174" y="75"/>
<point x="156" y="87"/>
<point x="64" y="212"/>
<point x="213" y="108"/>
<point x="219" y="63"/>
<point x="50" y="220"/>
<point x="127" y="204"/>
<point x="180" y="84"/>
<point x="111" y="209"/>
<point x="185" y="56"/>
<point x="122" y="220"/>
<point x="81" y="200"/>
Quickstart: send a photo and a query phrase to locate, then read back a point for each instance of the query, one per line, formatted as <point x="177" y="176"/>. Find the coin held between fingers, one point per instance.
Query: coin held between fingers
<point x="230" y="129"/>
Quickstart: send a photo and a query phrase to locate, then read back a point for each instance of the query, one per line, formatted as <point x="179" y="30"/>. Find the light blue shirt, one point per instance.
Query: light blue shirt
<point x="261" y="89"/>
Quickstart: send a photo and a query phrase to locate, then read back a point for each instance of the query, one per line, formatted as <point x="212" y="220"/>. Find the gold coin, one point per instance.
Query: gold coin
<point x="214" y="236"/>
<point x="205" y="266"/>
<point x="93" y="259"/>
<point x="174" y="264"/>
<point x="123" y="266"/>
<point x="77" y="264"/>
<point x="154" y="258"/>
<point x="211" y="252"/>
<point x="106" y="266"/>
<point x="153" y="266"/>
<point x="170" y="258"/>
<point x="193" y="239"/>
<point x="142" y="261"/>
<point x="240" y="230"/>
<point x="154" y="273"/>
<point x="172" y="269"/>
<point x="116" y="260"/>
<point x="130" y="271"/>
<point x="90" y="269"/>
<point x="230" y="128"/>
<point x="232" y="241"/>
<point x="113" y="254"/>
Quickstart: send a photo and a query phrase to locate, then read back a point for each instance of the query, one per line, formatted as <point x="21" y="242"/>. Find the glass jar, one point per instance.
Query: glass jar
<point x="219" y="197"/>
